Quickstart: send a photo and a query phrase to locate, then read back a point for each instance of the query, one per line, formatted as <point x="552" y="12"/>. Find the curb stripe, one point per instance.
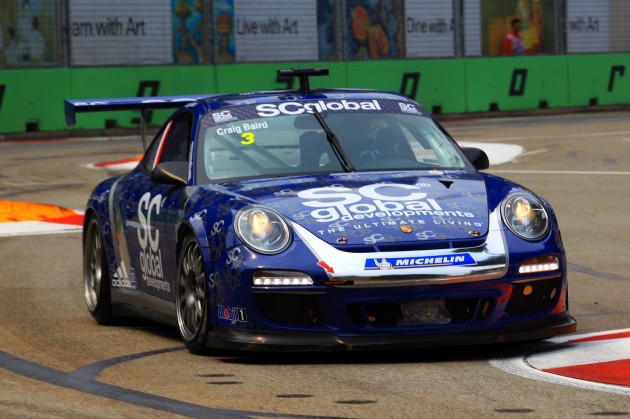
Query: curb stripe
<point x="117" y="162"/>
<point x="618" y="335"/>
<point x="612" y="372"/>
<point x="593" y="361"/>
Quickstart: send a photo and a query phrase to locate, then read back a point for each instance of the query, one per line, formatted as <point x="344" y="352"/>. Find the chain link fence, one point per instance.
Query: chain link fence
<point x="84" y="33"/>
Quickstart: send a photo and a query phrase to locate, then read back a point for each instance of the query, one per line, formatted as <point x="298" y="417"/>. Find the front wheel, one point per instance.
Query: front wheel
<point x="191" y="297"/>
<point x="96" y="284"/>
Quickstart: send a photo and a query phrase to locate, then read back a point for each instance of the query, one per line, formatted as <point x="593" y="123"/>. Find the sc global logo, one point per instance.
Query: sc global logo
<point x="150" y="256"/>
<point x="146" y="207"/>
<point x="223" y="116"/>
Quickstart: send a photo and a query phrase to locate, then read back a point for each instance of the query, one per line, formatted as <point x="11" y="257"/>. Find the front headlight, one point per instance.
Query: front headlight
<point x="262" y="230"/>
<point x="525" y="216"/>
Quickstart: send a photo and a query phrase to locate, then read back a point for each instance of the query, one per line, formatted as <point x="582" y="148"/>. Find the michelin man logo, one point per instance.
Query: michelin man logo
<point x="383" y="265"/>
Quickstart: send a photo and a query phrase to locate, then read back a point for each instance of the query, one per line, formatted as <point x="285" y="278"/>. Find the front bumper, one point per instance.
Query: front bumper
<point x="251" y="340"/>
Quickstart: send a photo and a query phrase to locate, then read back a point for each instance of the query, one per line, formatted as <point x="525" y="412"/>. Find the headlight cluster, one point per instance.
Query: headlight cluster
<point x="262" y="230"/>
<point x="539" y="264"/>
<point x="525" y="216"/>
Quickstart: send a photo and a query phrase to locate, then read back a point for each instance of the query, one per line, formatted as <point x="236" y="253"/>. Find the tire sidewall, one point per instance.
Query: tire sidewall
<point x="196" y="345"/>
<point x="102" y="313"/>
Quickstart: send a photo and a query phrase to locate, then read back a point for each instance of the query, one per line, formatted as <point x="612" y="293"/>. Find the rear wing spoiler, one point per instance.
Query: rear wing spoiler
<point x="142" y="104"/>
<point x="72" y="107"/>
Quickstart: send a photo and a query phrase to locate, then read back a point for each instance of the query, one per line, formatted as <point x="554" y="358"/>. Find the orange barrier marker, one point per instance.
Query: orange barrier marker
<point x="11" y="211"/>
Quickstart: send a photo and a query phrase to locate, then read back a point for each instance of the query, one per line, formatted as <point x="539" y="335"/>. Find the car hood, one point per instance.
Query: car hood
<point x="367" y="208"/>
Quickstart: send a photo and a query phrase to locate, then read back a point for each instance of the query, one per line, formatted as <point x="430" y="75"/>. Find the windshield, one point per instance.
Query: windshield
<point x="298" y="144"/>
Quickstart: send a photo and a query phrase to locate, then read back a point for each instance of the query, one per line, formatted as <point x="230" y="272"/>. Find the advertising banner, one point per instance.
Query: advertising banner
<point x="429" y="28"/>
<point x="246" y="31"/>
<point x="587" y="26"/>
<point x="472" y="28"/>
<point x="120" y="32"/>
<point x="536" y="28"/>
<point x="374" y="29"/>
<point x="619" y="12"/>
<point x="187" y="23"/>
<point x="329" y="29"/>
<point x="27" y="33"/>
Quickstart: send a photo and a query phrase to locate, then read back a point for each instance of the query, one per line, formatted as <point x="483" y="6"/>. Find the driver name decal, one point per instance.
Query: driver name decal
<point x="240" y="128"/>
<point x="149" y="239"/>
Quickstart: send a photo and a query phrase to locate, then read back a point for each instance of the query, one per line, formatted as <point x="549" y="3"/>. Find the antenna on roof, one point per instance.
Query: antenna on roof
<point x="303" y="74"/>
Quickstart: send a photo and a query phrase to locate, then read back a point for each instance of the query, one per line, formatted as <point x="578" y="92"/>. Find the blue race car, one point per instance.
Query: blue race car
<point x="327" y="219"/>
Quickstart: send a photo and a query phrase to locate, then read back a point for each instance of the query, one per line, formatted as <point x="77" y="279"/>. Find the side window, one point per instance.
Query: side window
<point x="148" y="161"/>
<point x="175" y="145"/>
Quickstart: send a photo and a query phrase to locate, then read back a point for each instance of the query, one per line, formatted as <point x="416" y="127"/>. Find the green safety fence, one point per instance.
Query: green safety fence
<point x="32" y="99"/>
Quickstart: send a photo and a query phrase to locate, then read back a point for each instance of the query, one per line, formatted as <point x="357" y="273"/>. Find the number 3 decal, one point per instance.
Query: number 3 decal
<point x="249" y="138"/>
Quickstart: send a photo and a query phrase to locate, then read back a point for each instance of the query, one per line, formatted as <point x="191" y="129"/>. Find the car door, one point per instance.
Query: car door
<point x="152" y="212"/>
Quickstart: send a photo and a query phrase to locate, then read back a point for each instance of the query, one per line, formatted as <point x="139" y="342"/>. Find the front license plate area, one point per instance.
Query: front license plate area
<point x="424" y="312"/>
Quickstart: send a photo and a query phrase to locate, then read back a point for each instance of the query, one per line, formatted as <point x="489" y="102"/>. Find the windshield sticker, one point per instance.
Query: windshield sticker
<point x="223" y="116"/>
<point x="248" y="138"/>
<point x="409" y="108"/>
<point x="297" y="108"/>
<point x="418" y="262"/>
<point x="242" y="128"/>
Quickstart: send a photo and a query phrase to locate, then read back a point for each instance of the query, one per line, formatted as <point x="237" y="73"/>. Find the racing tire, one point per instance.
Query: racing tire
<point x="191" y="297"/>
<point x="96" y="281"/>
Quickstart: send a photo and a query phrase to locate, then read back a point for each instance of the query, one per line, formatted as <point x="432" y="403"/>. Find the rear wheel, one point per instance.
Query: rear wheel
<point x="96" y="283"/>
<point x="191" y="297"/>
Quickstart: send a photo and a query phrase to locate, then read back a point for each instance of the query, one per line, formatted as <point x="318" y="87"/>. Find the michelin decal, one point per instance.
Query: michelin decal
<point x="419" y="262"/>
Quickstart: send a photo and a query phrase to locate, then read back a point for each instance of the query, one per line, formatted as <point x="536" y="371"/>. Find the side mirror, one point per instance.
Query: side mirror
<point x="171" y="173"/>
<point x="477" y="157"/>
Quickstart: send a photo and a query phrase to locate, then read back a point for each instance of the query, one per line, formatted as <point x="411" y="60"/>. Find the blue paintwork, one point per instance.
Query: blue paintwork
<point x="143" y="223"/>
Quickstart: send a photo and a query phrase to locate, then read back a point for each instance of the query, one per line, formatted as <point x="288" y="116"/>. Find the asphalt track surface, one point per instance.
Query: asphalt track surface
<point x="56" y="362"/>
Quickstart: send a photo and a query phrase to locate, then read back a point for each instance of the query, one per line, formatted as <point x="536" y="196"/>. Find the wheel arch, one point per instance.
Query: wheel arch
<point x="102" y="223"/>
<point x="89" y="212"/>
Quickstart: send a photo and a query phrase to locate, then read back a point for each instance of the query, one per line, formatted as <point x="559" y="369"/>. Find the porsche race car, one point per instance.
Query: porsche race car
<point x="319" y="219"/>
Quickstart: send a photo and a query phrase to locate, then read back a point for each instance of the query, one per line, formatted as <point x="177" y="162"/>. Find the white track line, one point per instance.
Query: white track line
<point x="497" y="153"/>
<point x="28" y="228"/>
<point x="531" y="153"/>
<point x="542" y="137"/>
